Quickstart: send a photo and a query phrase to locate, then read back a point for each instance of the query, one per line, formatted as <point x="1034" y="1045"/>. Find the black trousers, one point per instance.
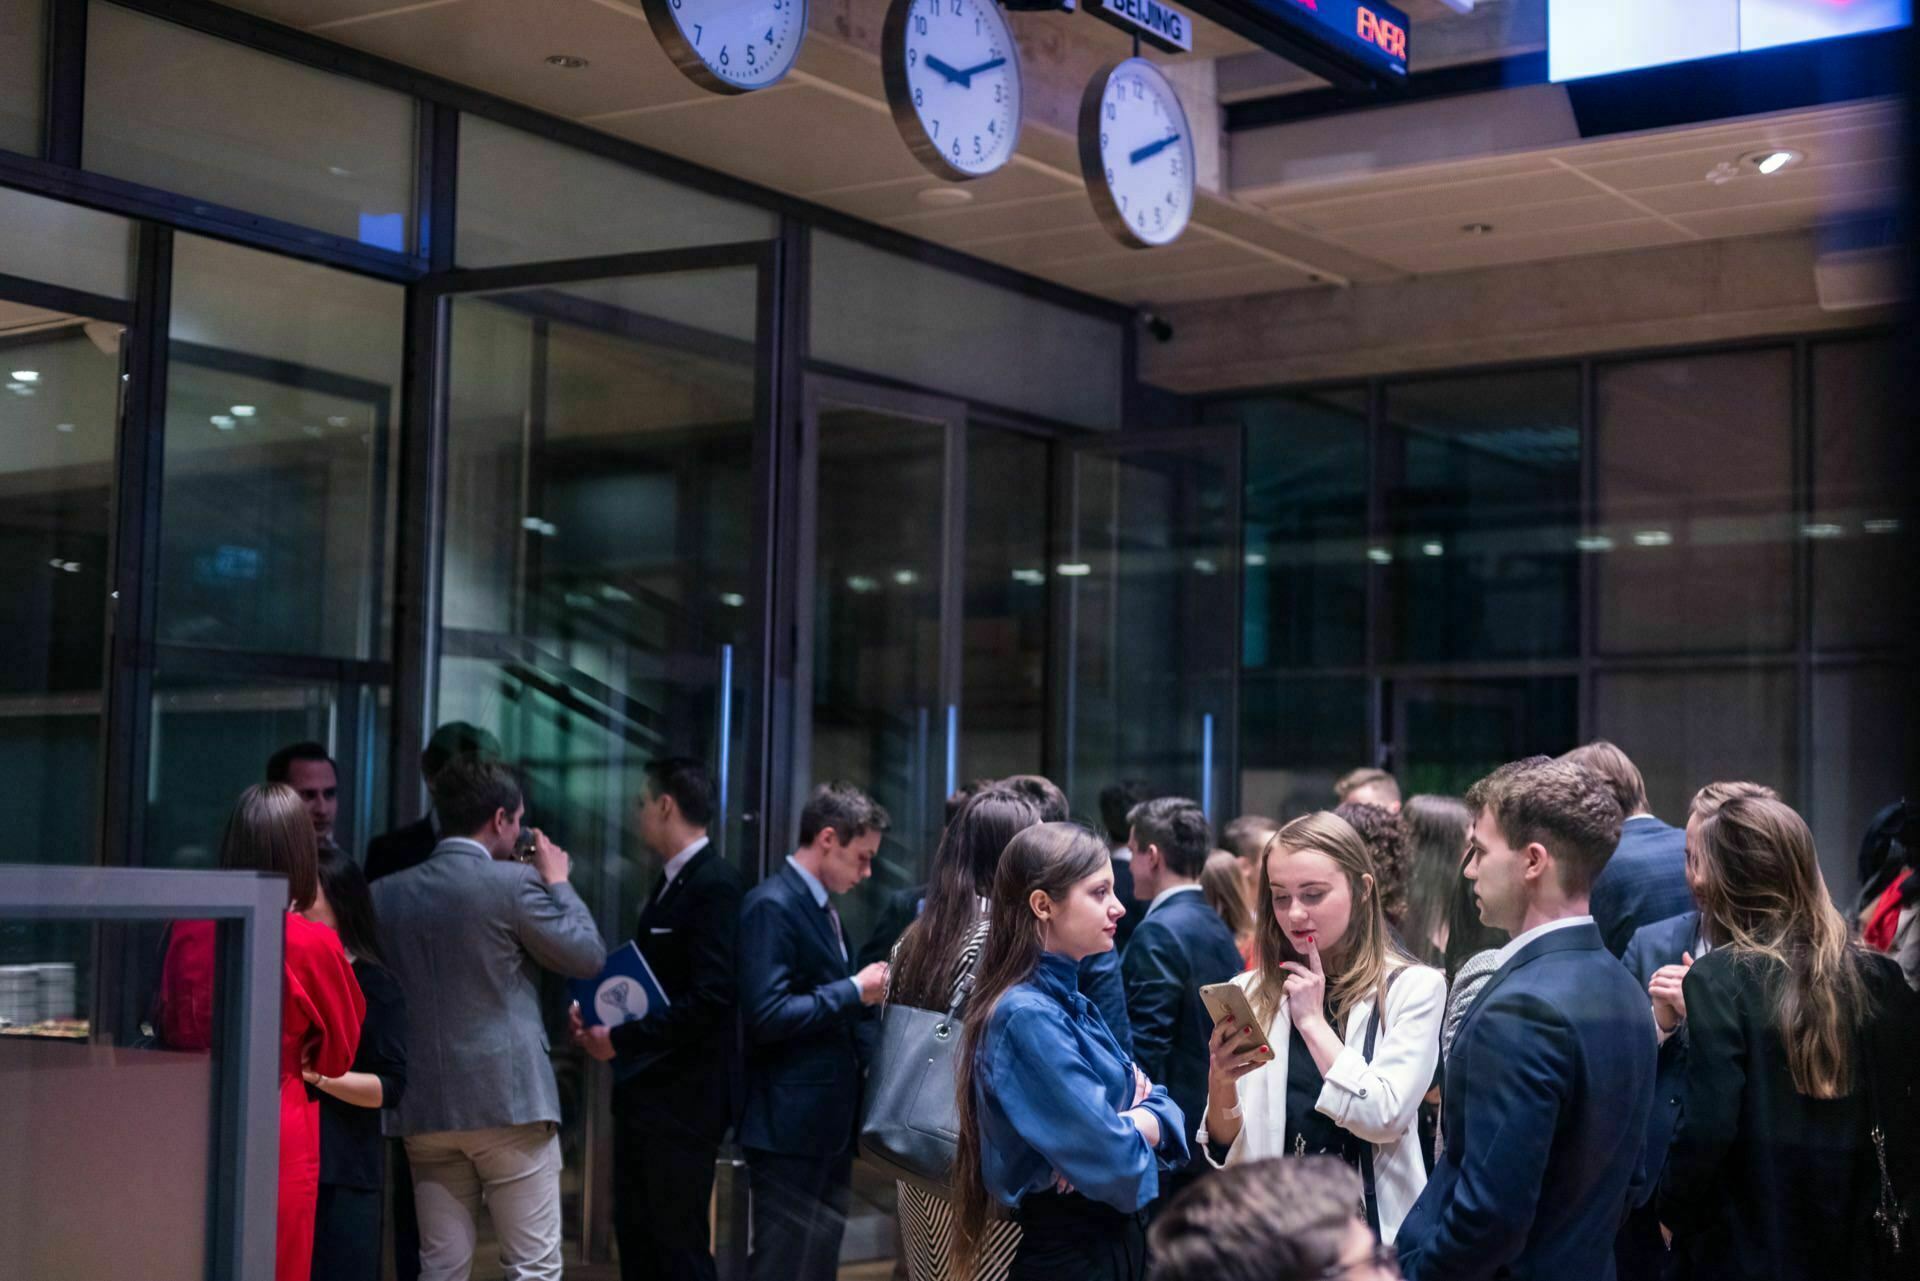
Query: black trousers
<point x="662" y="1187"/>
<point x="799" y="1214"/>
<point x="1066" y="1237"/>
<point x="346" y="1234"/>
<point x="406" y="1223"/>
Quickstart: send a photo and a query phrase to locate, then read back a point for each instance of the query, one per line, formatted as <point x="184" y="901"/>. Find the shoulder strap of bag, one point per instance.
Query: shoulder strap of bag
<point x="1366" y="1149"/>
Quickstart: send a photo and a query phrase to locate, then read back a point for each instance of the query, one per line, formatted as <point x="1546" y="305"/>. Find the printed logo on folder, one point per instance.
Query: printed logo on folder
<point x="625" y="991"/>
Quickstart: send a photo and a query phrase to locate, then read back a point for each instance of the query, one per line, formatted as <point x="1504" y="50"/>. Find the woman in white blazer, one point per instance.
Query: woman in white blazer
<point x="1326" y="965"/>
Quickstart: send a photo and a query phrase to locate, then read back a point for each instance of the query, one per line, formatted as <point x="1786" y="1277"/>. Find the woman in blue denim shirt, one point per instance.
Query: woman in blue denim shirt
<point x="1055" y="1123"/>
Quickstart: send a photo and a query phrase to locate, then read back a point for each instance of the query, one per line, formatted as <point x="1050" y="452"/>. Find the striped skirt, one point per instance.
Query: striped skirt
<point x="926" y="1227"/>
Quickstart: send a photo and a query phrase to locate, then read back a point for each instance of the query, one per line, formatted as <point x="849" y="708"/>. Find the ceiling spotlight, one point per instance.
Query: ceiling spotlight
<point x="1256" y="559"/>
<point x="1073" y="569"/>
<point x="242" y="411"/>
<point x="732" y="600"/>
<point x="1881" y="526"/>
<point x="26" y="375"/>
<point x="1772" y="162"/>
<point x="905" y="577"/>
<point x="1476" y="229"/>
<point x="1379" y="555"/>
<point x="944" y="197"/>
<point x="337" y="420"/>
<point x="63" y="427"/>
<point x="1594" y="543"/>
<point x="1823" y="529"/>
<point x="565" y="61"/>
<point x="223" y="421"/>
<point x="1652" y="538"/>
<point x="1031" y="577"/>
<point x="1432" y="549"/>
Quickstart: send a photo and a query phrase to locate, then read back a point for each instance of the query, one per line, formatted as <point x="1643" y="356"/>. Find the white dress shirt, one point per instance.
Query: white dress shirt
<point x="1514" y="945"/>
<point x="1192" y="887"/>
<point x="819" y="892"/>
<point x="678" y="863"/>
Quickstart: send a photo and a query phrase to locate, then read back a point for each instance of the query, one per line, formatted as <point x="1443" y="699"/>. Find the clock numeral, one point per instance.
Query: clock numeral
<point x="1140" y="220"/>
<point x="919" y="98"/>
<point x="1123" y="204"/>
<point x="976" y="26"/>
<point x="750" y="58"/>
<point x="977" y="150"/>
<point x="724" y="60"/>
<point x="993" y="127"/>
<point x="1139" y="90"/>
<point x="1113" y="111"/>
<point x="999" y="91"/>
<point x="953" y="7"/>
<point x="696" y="33"/>
<point x="1103" y="140"/>
<point x="1171" y="200"/>
<point x="769" y="35"/>
<point x="1109" y="175"/>
<point x="920" y="23"/>
<point x="676" y="3"/>
<point x="956" y="148"/>
<point x="936" y="128"/>
<point x="913" y="57"/>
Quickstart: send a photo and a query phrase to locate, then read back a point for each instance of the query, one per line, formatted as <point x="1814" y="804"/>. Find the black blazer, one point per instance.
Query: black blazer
<point x="1177" y="950"/>
<point x="1123" y="890"/>
<point x="400" y="849"/>
<point x="1545" y="1111"/>
<point x="1762" y="1182"/>
<point x="1643" y="882"/>
<point x="1641" y="1250"/>
<point x="680" y="1066"/>
<point x="352" y="1153"/>
<point x="803" y="1023"/>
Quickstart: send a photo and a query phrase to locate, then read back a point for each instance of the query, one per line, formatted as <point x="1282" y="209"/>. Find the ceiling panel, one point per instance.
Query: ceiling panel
<point x="1562" y="215"/>
<point x="1464" y="252"/>
<point x="1821" y="149"/>
<point x="1143" y="285"/>
<point x="1542" y="186"/>
<point x="1840" y="186"/>
<point x="1759" y="220"/>
<point x="318" y="13"/>
<point x="965" y="225"/>
<point x="900" y="202"/>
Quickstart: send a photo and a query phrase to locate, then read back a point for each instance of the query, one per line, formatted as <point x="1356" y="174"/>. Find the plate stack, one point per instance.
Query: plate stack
<point x="57" y="990"/>
<point x="19" y="995"/>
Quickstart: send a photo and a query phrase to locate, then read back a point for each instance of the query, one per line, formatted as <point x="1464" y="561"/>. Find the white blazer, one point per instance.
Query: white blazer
<point x="1378" y="1101"/>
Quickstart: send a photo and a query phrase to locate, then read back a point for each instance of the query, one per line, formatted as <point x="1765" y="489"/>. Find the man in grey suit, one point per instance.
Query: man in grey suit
<point x="463" y="932"/>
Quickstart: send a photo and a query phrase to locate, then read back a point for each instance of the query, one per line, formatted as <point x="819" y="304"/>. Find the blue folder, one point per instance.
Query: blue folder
<point x="625" y="990"/>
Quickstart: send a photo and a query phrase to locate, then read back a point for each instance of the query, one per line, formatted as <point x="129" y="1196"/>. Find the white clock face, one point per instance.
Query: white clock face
<point x="1138" y="154"/>
<point x="730" y="46"/>
<point x="953" y="80"/>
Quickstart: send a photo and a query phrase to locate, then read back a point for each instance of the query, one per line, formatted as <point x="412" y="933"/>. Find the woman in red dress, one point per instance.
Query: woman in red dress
<point x="320" y="1009"/>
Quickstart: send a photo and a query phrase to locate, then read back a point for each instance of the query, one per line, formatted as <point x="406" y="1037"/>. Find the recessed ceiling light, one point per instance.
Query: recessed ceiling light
<point x="1773" y="161"/>
<point x="565" y="61"/>
<point x="1379" y="555"/>
<point x="1652" y="538"/>
<point x="223" y="421"/>
<point x="242" y="411"/>
<point x="27" y="375"/>
<point x="944" y="197"/>
<point x="340" y="171"/>
<point x="66" y="427"/>
<point x="1476" y="229"/>
<point x="337" y="420"/>
<point x="1073" y="569"/>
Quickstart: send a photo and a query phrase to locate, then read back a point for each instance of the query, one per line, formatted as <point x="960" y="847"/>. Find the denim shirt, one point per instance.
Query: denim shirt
<point x="1050" y="1083"/>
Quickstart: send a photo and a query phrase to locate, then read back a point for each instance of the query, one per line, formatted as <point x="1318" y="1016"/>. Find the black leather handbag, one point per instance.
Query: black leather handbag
<point x="909" y="1125"/>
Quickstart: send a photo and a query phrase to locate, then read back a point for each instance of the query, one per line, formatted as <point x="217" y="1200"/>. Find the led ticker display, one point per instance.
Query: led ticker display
<point x="1374" y="36"/>
<point x="1585" y="38"/>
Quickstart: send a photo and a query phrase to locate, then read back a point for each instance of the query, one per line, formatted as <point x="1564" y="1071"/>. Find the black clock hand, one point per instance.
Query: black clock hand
<point x="1152" y="149"/>
<point x="960" y="78"/>
<point x="971" y="72"/>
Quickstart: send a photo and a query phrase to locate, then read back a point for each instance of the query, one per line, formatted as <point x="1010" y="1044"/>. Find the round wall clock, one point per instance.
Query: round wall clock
<point x="952" y="73"/>
<point x="730" y="46"/>
<point x="1136" y="154"/>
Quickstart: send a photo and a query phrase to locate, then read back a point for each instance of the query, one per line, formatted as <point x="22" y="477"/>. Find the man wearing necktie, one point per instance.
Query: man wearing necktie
<point x="674" y="1070"/>
<point x="807" y="1017"/>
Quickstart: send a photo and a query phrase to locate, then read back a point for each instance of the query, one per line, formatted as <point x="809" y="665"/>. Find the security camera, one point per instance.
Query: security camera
<point x="1157" y="325"/>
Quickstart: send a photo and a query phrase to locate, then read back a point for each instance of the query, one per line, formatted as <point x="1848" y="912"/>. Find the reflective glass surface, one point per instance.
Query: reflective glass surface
<point x="61" y="244"/>
<point x="22" y="68"/>
<point x="1859" y="531"/>
<point x="1451" y="732"/>
<point x="1003" y="627"/>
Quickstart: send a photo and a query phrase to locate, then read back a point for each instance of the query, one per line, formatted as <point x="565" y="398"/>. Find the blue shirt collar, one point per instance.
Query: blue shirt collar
<point x="814" y="886"/>
<point x="1058" y="976"/>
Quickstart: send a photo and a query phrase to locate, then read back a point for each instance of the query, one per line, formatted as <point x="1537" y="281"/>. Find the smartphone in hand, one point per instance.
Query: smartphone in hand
<point x="1229" y="1001"/>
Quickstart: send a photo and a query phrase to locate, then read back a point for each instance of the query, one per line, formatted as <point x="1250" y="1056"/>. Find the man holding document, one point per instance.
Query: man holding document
<point x="674" y="1065"/>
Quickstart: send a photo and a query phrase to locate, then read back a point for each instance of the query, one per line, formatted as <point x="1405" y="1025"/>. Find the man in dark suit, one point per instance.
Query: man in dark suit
<point x="808" y="1017"/>
<point x="673" y="1071"/>
<point x="1551" y="1075"/>
<point x="404" y="847"/>
<point x="1180" y="946"/>
<point x="1646" y="879"/>
<point x="1116" y="802"/>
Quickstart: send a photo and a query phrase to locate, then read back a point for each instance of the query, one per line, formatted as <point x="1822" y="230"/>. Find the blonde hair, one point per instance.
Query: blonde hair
<point x="1224" y="885"/>
<point x="1708" y="800"/>
<point x="1762" y="897"/>
<point x="1370" y="956"/>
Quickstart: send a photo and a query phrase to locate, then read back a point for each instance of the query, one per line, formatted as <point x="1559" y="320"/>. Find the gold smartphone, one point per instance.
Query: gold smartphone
<point x="1229" y="1001"/>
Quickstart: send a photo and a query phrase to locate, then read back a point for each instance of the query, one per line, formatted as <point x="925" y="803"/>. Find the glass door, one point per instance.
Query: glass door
<point x="1148" y="589"/>
<point x="879" y="666"/>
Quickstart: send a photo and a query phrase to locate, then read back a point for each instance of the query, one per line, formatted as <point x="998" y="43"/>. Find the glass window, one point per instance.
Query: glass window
<point x="1004" y="625"/>
<point x="282" y="395"/>
<point x="1298" y="734"/>
<point x="185" y="112"/>
<point x="59" y="416"/>
<point x="62" y="244"/>
<point x="22" y="70"/>
<point x="1482" y="494"/>
<point x="1446" y="734"/>
<point x="1684" y="729"/>
<point x="1694" y="476"/>
<point x="597" y="594"/>
<point x="1305" y="578"/>
<point x="1863" y="455"/>
<point x="1862" y="758"/>
<point x="887" y="315"/>
<point x="525" y="199"/>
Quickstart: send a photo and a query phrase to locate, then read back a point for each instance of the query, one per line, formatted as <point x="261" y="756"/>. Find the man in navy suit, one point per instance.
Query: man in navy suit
<point x="1116" y="802"/>
<point x="1551" y="1076"/>
<point x="804" y="1009"/>
<point x="1180" y="945"/>
<point x="1646" y="879"/>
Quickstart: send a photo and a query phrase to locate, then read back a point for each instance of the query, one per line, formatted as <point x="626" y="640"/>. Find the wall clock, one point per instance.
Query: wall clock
<point x="952" y="73"/>
<point x="1136" y="154"/>
<point x="730" y="46"/>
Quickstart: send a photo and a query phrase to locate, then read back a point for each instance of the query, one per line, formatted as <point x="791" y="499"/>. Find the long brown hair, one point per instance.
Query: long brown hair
<point x="1370" y="954"/>
<point x="963" y="871"/>
<point x="1761" y="897"/>
<point x="269" y="831"/>
<point x="1224" y="883"/>
<point x="1052" y="857"/>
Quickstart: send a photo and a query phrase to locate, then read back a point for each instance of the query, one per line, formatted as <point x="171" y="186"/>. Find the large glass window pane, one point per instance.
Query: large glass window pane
<point x="887" y="315"/>
<point x="1688" y="728"/>
<point x="525" y="199"/>
<point x="1298" y="734"/>
<point x="1862" y="758"/>
<point x="22" y="66"/>
<point x="597" y="599"/>
<point x="58" y="418"/>
<point x="1694" y="472"/>
<point x="1448" y="733"/>
<point x="1863" y="456"/>
<point x="61" y="244"/>
<point x="1482" y="492"/>
<point x="1304" y="601"/>
<point x="187" y="113"/>
<point x="1003" y="710"/>
<point x="282" y="395"/>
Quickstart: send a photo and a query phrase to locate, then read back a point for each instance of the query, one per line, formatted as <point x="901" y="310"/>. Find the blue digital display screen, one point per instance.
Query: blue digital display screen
<point x="1585" y="38"/>
<point x="1372" y="35"/>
